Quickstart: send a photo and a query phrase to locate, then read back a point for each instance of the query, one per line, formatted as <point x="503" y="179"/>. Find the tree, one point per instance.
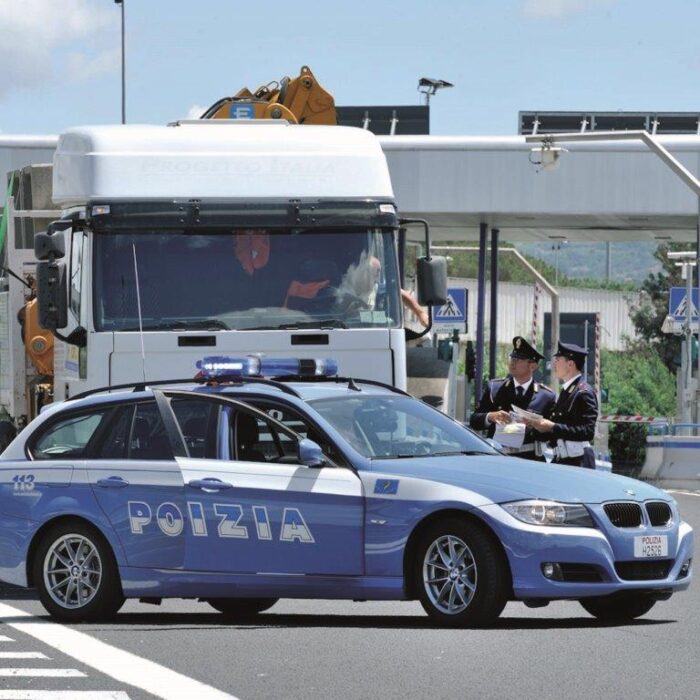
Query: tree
<point x="648" y="315"/>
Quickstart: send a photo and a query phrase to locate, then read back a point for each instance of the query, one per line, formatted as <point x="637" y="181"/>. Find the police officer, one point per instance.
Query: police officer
<point x="570" y="427"/>
<point x="519" y="389"/>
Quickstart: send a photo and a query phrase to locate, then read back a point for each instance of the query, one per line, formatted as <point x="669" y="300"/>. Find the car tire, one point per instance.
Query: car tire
<point x="241" y="608"/>
<point x="76" y="574"/>
<point x="461" y="574"/>
<point x="619" y="607"/>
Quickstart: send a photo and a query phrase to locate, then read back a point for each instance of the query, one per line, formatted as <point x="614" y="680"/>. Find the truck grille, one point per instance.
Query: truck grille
<point x="624" y="514"/>
<point x="643" y="570"/>
<point x="659" y="513"/>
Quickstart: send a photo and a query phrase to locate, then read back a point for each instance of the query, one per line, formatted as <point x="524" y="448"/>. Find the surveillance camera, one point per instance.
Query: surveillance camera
<point x="548" y="157"/>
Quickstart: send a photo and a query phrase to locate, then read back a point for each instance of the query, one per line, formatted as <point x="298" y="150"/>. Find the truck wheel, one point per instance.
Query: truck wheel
<point x="241" y="608"/>
<point x="619" y="607"/>
<point x="76" y="575"/>
<point x="460" y="575"/>
<point x="8" y="432"/>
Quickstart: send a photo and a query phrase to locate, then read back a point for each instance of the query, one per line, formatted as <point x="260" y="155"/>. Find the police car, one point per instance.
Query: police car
<point x="239" y="490"/>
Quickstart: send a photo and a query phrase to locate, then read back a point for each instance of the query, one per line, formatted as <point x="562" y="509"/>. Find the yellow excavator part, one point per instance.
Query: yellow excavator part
<point x="301" y="100"/>
<point x="38" y="342"/>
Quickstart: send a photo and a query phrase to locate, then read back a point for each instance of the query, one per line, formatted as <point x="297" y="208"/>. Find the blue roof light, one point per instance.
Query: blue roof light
<point x="222" y="367"/>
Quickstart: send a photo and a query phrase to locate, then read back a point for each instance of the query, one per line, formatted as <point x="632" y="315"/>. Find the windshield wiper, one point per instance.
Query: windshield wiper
<point x="323" y="323"/>
<point x="434" y="454"/>
<point x="192" y="324"/>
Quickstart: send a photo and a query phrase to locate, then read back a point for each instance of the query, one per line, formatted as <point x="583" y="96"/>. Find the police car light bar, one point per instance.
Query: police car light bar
<point x="222" y="367"/>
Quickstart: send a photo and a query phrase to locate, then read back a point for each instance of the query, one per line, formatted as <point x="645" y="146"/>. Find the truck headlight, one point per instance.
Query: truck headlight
<point x="550" y="513"/>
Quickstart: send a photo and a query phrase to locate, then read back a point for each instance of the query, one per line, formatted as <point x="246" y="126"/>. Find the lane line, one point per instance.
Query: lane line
<point x="63" y="695"/>
<point x="22" y="655"/>
<point x="3" y="638"/>
<point x="41" y="673"/>
<point x="114" y="662"/>
<point x="685" y="493"/>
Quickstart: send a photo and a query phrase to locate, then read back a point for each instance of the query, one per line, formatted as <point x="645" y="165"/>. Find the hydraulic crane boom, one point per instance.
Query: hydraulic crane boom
<point x="300" y="100"/>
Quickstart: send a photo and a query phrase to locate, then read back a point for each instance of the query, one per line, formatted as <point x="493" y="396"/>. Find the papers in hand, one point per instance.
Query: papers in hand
<point x="522" y="413"/>
<point x="510" y="434"/>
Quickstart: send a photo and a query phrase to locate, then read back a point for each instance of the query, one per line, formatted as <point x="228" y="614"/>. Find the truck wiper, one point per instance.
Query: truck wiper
<point x="323" y="323"/>
<point x="191" y="324"/>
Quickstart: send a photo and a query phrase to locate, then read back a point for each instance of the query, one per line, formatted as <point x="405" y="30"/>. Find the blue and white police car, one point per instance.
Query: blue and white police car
<point x="239" y="490"/>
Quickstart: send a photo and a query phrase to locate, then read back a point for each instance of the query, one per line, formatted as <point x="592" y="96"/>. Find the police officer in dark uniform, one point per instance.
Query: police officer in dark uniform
<point x="519" y="389"/>
<point x="570" y="428"/>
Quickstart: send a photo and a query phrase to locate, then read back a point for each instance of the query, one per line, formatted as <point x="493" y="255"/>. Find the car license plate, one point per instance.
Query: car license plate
<point x="651" y="546"/>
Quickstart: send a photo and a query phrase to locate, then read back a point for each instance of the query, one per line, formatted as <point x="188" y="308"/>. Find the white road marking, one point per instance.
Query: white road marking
<point x="685" y="493"/>
<point x="6" y="639"/>
<point x="41" y="673"/>
<point x="119" y="664"/>
<point x="22" y="655"/>
<point x="63" y="695"/>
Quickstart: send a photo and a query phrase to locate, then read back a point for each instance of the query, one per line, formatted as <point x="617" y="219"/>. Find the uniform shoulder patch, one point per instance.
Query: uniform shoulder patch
<point x="544" y="387"/>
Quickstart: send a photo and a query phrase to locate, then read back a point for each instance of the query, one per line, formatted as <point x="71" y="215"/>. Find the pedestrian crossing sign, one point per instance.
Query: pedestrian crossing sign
<point x="453" y="313"/>
<point x="678" y="302"/>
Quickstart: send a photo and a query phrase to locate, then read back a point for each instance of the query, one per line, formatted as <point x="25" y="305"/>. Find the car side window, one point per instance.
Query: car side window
<point x="198" y="420"/>
<point x="114" y="441"/>
<point x="148" y="438"/>
<point x="68" y="437"/>
<point x="294" y="421"/>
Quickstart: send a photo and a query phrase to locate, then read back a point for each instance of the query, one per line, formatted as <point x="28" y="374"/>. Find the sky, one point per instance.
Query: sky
<point x="60" y="62"/>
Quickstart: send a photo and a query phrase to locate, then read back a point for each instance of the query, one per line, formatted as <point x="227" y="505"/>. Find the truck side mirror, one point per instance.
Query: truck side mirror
<point x="310" y="453"/>
<point x="52" y="294"/>
<point x="48" y="245"/>
<point x="431" y="278"/>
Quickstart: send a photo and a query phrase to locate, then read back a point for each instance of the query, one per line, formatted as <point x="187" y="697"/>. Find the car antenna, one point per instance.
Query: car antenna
<point x="138" y="306"/>
<point x="352" y="386"/>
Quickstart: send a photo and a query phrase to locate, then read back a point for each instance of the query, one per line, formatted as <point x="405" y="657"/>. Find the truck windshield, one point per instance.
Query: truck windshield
<point x="246" y="279"/>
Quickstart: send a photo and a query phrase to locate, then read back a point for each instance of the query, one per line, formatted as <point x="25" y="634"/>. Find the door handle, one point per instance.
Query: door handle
<point x="113" y="482"/>
<point x="210" y="484"/>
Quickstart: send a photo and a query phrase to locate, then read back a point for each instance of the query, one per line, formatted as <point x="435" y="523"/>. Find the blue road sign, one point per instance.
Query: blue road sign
<point x="677" y="302"/>
<point x="454" y="311"/>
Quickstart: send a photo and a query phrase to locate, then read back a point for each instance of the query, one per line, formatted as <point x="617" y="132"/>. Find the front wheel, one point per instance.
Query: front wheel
<point x="241" y="608"/>
<point x="461" y="575"/>
<point x="619" y="607"/>
<point x="76" y="575"/>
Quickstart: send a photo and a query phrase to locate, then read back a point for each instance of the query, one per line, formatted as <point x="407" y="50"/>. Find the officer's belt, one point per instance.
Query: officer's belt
<point x="565" y="449"/>
<point x="529" y="447"/>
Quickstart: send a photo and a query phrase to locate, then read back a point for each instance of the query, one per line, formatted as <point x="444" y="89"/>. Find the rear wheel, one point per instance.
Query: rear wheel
<point x="619" y="607"/>
<point x="460" y="574"/>
<point x="241" y="608"/>
<point x="76" y="575"/>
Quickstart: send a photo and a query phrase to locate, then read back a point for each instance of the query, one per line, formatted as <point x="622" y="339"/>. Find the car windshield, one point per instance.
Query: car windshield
<point x="246" y="279"/>
<point x="398" y="427"/>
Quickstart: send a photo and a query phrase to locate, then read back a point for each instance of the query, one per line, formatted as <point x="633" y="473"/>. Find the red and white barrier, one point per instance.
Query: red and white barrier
<point x="535" y="313"/>
<point x="630" y="419"/>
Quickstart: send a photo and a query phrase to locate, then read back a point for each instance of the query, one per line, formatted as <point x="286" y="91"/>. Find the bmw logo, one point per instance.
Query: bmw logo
<point x="630" y="492"/>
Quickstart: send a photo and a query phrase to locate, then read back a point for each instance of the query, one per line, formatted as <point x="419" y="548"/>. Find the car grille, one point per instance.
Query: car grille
<point x="659" y="513"/>
<point x="643" y="570"/>
<point x="624" y="514"/>
<point x="580" y="573"/>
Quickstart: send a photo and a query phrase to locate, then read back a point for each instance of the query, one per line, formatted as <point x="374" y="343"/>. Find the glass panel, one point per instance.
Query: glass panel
<point x="149" y="439"/>
<point x="197" y="419"/>
<point x="117" y="438"/>
<point x="76" y="271"/>
<point x="69" y="437"/>
<point x="388" y="426"/>
<point x="246" y="279"/>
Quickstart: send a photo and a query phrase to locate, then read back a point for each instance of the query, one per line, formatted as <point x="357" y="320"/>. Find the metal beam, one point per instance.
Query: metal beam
<point x="481" y="285"/>
<point x="493" y="328"/>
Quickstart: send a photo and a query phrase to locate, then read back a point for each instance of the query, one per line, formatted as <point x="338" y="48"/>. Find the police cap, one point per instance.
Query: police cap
<point x="522" y="350"/>
<point x="571" y="352"/>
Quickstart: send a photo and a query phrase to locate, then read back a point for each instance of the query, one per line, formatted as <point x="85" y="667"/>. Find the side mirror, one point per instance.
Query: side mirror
<point x="48" y="245"/>
<point x="52" y="294"/>
<point x="310" y="453"/>
<point x="431" y="276"/>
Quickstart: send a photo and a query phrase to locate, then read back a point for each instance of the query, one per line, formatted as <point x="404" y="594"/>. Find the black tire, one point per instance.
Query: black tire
<point x="619" y="607"/>
<point x="480" y="585"/>
<point x="105" y="598"/>
<point x="241" y="608"/>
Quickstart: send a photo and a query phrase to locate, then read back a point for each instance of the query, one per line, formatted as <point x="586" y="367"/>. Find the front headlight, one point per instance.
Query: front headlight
<point x="550" y="513"/>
